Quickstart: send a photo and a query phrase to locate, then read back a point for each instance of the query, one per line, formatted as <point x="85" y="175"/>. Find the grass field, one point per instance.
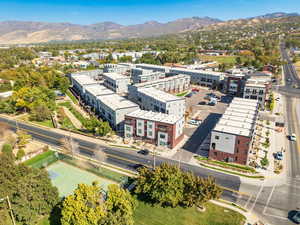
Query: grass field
<point x="146" y="214"/>
<point x="46" y="123"/>
<point x="219" y="59"/>
<point x="39" y="160"/>
<point x="66" y="177"/>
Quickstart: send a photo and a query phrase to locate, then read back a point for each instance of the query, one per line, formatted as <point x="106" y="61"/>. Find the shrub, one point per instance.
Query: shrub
<point x="7" y="148"/>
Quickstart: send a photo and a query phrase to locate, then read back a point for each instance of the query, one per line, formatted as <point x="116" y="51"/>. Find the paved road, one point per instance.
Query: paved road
<point x="125" y="158"/>
<point x="276" y="204"/>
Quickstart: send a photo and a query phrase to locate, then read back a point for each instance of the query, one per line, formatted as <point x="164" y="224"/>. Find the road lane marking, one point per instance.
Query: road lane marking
<point x="269" y="198"/>
<point x="113" y="156"/>
<point x="257" y="196"/>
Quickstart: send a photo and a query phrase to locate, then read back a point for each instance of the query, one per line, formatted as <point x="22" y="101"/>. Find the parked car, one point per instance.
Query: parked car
<point x="279" y="156"/>
<point x="293" y="137"/>
<point x="195" y="90"/>
<point x="296" y="217"/>
<point x="144" y="152"/>
<point x="189" y="95"/>
<point x="138" y="166"/>
<point x="195" y="122"/>
<point x="202" y="103"/>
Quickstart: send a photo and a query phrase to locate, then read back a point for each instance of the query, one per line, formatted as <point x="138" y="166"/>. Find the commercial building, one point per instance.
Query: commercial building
<point x="257" y="88"/>
<point x="231" y="138"/>
<point x="173" y="84"/>
<point x="113" y="108"/>
<point x="155" y="128"/>
<point x="116" y="82"/>
<point x="139" y="75"/>
<point x="234" y="84"/>
<point x="202" y="77"/>
<point x="158" y="101"/>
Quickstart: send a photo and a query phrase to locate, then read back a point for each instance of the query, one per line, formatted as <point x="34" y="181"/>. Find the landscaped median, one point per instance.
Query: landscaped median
<point x="231" y="168"/>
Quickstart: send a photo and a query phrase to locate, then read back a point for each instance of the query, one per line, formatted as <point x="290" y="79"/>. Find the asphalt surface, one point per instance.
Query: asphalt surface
<point x="124" y="158"/>
<point x="276" y="204"/>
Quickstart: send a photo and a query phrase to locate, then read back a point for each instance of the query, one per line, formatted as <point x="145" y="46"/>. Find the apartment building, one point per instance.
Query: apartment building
<point x="173" y="84"/>
<point x="234" y="84"/>
<point x="113" y="109"/>
<point x="115" y="68"/>
<point x="158" y="101"/>
<point x="92" y="92"/>
<point x="139" y="75"/>
<point x="231" y="138"/>
<point x="154" y="68"/>
<point x="79" y="81"/>
<point x="257" y="89"/>
<point x="155" y="128"/>
<point x="116" y="82"/>
<point x="201" y="77"/>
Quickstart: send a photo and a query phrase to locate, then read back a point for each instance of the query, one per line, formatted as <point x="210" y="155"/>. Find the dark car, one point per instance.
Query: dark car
<point x="202" y="103"/>
<point x="296" y="217"/>
<point x="144" y="152"/>
<point x="189" y="95"/>
<point x="138" y="166"/>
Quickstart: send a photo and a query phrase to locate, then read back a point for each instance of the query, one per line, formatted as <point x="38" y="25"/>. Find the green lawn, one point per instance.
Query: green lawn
<point x="46" y="123"/>
<point x="77" y="114"/>
<point x="72" y="97"/>
<point x="145" y="214"/>
<point x="219" y="59"/>
<point x="37" y="161"/>
<point x="182" y="94"/>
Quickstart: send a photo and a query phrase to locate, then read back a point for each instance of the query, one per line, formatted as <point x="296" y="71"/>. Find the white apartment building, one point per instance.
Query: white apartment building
<point x="116" y="82"/>
<point x="139" y="75"/>
<point x="173" y="84"/>
<point x="154" y="68"/>
<point x="155" y="128"/>
<point x="115" y="68"/>
<point x="113" y="108"/>
<point x="158" y="101"/>
<point x="80" y="81"/>
<point x="92" y="92"/>
<point x="201" y="77"/>
<point x="257" y="90"/>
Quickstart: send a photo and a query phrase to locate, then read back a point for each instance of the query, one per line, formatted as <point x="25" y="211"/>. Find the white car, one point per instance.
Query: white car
<point x="293" y="137"/>
<point x="194" y="122"/>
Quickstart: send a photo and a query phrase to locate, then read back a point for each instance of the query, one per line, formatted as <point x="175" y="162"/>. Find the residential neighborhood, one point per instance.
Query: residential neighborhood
<point x="184" y="120"/>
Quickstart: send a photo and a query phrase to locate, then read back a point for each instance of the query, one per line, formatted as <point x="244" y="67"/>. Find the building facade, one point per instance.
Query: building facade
<point x="139" y="75"/>
<point x="113" y="109"/>
<point x="155" y="128"/>
<point x="173" y="84"/>
<point x="158" y="101"/>
<point x="116" y="82"/>
<point x="231" y="138"/>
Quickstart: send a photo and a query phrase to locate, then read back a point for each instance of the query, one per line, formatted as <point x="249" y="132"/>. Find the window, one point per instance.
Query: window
<point x="150" y="133"/>
<point x="237" y="150"/>
<point x="139" y="131"/>
<point x="213" y="145"/>
<point x="150" y="126"/>
<point x="260" y="98"/>
<point x="128" y="128"/>
<point x="236" y="158"/>
<point x="247" y="90"/>
<point x="238" y="142"/>
<point x="261" y="92"/>
<point x="216" y="153"/>
<point x="217" y="137"/>
<point x="162" y="136"/>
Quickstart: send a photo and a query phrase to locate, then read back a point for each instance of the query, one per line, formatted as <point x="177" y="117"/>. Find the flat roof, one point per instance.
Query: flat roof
<point x="239" y="118"/>
<point x="98" y="90"/>
<point x="208" y="72"/>
<point x="155" y="116"/>
<point x="159" y="95"/>
<point x="115" y="102"/>
<point x="84" y="79"/>
<point x="115" y="76"/>
<point x="153" y="82"/>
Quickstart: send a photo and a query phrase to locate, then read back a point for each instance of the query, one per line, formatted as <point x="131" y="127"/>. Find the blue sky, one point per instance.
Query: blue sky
<point x="137" y="11"/>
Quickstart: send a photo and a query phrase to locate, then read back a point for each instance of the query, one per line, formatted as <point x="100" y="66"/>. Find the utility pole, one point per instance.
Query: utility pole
<point x="10" y="209"/>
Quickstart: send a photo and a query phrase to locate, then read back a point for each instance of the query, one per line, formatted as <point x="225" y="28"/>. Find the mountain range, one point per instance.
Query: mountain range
<point x="22" y="32"/>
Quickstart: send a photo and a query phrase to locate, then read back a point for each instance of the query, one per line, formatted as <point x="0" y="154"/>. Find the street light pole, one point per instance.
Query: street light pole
<point x="10" y="209"/>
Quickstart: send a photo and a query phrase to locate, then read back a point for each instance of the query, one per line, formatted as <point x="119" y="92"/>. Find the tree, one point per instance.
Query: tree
<point x="6" y="148"/>
<point x="20" y="154"/>
<point x="163" y="186"/>
<point x="84" y="207"/>
<point x="264" y="161"/>
<point x="30" y="190"/>
<point x="120" y="206"/>
<point x="22" y="139"/>
<point x="103" y="129"/>
<point x="40" y="112"/>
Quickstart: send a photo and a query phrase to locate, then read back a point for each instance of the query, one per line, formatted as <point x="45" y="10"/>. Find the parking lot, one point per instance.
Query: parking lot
<point x="208" y="114"/>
